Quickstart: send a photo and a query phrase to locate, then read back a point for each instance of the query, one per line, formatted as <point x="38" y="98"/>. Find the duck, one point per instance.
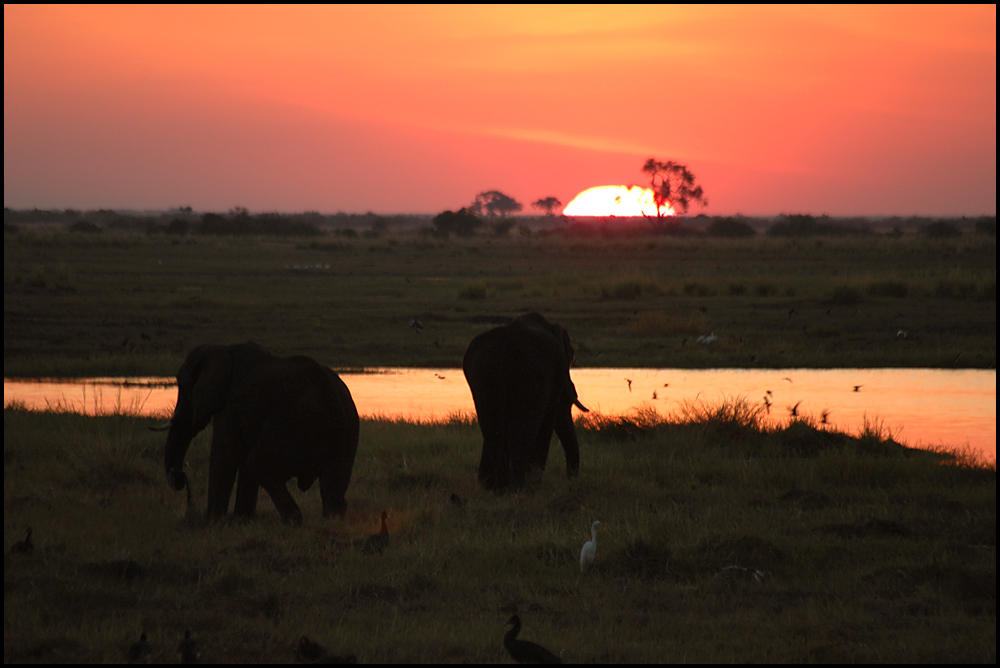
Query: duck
<point x="375" y="544"/>
<point x="524" y="651"/>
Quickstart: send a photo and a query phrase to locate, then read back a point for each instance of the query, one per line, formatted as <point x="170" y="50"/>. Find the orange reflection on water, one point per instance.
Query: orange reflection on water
<point x="920" y="407"/>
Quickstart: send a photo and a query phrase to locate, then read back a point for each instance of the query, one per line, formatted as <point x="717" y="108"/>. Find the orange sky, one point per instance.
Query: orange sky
<point x="837" y="110"/>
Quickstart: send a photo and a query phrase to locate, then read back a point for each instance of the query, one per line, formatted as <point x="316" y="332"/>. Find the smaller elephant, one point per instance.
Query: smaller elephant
<point x="274" y="419"/>
<point x="519" y="377"/>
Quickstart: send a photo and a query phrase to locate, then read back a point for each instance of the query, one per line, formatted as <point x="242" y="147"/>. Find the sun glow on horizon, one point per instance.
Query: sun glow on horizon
<point x="617" y="201"/>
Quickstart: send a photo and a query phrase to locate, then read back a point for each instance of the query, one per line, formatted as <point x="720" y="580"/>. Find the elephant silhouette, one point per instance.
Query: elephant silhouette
<point x="519" y="377"/>
<point x="274" y="419"/>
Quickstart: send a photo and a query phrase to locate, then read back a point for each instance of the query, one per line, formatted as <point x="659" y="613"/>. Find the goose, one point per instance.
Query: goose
<point x="524" y="651"/>
<point x="589" y="550"/>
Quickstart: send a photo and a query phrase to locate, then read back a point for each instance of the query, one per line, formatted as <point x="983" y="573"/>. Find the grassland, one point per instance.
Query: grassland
<point x="79" y="304"/>
<point x="871" y="552"/>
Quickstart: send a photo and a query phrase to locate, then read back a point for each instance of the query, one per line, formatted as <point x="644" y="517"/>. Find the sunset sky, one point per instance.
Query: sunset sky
<point x="835" y="110"/>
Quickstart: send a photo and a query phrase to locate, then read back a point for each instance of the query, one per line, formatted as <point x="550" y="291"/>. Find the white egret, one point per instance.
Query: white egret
<point x="589" y="550"/>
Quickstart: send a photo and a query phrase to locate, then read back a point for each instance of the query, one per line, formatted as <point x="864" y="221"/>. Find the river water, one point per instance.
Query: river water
<point x="920" y="407"/>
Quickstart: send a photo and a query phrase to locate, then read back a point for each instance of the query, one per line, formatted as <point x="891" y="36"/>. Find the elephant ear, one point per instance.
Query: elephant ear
<point x="211" y="386"/>
<point x="563" y="337"/>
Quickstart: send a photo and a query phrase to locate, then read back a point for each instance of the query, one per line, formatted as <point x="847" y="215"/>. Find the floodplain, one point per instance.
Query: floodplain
<point x="722" y="539"/>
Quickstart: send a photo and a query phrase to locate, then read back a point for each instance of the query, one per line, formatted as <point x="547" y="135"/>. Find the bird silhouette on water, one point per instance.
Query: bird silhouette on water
<point x="524" y="651"/>
<point x="375" y="544"/>
<point x="187" y="649"/>
<point x="140" y="651"/>
<point x="23" y="546"/>
<point x="589" y="550"/>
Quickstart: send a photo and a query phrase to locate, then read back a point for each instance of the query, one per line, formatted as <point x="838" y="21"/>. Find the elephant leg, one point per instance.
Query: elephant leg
<point x="333" y="489"/>
<point x="247" y="489"/>
<point x="283" y="501"/>
<point x="221" y="477"/>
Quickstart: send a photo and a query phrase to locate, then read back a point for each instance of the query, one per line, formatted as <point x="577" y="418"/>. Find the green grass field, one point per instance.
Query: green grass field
<point x="131" y="304"/>
<point x="871" y="552"/>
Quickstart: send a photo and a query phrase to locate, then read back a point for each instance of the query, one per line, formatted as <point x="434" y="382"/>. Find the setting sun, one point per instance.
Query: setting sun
<point x="614" y="201"/>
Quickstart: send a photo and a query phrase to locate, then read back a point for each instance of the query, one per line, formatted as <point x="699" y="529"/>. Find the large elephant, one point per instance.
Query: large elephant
<point x="275" y="418"/>
<point x="519" y="377"/>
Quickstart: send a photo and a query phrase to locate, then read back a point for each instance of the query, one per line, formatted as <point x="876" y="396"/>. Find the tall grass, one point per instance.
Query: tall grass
<point x="870" y="551"/>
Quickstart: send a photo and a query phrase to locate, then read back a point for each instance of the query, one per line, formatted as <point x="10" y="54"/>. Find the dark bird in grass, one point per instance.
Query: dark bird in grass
<point x="858" y="387"/>
<point x="767" y="404"/>
<point x="824" y="415"/>
<point x="375" y="544"/>
<point x="140" y="651"/>
<point x="456" y="500"/>
<point x="524" y="651"/>
<point x="794" y="410"/>
<point x="308" y="651"/>
<point x="187" y="649"/>
<point x="23" y="546"/>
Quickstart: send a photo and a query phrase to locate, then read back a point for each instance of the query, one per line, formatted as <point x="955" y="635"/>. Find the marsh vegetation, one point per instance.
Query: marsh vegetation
<point x="123" y="303"/>
<point x="868" y="551"/>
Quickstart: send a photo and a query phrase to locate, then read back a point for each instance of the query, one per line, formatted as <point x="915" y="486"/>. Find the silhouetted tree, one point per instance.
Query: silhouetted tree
<point x="547" y="205"/>
<point x="672" y="184"/>
<point x="494" y="203"/>
<point x="463" y="222"/>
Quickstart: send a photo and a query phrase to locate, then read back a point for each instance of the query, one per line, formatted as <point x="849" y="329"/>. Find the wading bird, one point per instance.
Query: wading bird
<point x="140" y="651"/>
<point x="375" y="544"/>
<point x="524" y="651"/>
<point x="589" y="550"/>
<point x="23" y="546"/>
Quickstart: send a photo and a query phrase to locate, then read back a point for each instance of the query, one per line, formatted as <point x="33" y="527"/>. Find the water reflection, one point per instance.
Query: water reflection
<point x="922" y="407"/>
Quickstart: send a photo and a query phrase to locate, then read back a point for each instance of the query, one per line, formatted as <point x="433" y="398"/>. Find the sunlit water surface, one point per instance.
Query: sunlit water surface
<point x="920" y="407"/>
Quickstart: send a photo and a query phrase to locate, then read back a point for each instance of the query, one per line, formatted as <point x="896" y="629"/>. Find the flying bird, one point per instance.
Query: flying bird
<point x="589" y="550"/>
<point x="629" y="381"/>
<point x="524" y="651"/>
<point x="140" y="651"/>
<point x="376" y="543"/>
<point x="858" y="387"/>
<point x="794" y="410"/>
<point x="23" y="546"/>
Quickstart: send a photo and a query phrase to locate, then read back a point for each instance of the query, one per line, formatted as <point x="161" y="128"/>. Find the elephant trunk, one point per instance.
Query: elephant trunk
<point x="179" y="438"/>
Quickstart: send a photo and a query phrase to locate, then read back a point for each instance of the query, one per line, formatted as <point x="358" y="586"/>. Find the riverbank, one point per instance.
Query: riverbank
<point x="847" y="549"/>
<point x="118" y="304"/>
